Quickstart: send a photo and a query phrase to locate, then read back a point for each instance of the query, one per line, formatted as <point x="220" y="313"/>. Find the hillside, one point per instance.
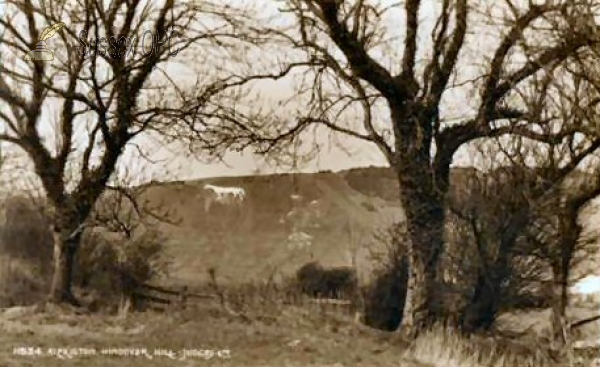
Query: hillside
<point x="284" y="221"/>
<point x="272" y="232"/>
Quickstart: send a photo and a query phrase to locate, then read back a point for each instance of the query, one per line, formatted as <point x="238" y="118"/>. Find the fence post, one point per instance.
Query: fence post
<point x="183" y="296"/>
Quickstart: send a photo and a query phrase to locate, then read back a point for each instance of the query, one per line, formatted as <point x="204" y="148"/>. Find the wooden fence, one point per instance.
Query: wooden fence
<point x="158" y="298"/>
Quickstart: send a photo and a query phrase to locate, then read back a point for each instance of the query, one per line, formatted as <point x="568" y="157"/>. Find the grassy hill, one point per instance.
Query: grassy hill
<point x="332" y="212"/>
<point x="271" y="232"/>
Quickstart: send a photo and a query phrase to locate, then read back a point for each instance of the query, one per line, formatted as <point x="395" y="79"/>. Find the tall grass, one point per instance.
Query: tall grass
<point x="446" y="347"/>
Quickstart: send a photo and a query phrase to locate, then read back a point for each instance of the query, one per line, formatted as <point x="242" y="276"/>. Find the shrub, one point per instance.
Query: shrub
<point x="113" y="265"/>
<point x="26" y="234"/>
<point x="114" y="257"/>
<point x="384" y="296"/>
<point x="25" y="252"/>
<point x="316" y="281"/>
<point x="19" y="285"/>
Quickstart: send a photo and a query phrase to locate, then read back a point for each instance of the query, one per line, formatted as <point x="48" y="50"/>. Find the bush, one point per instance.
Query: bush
<point x="494" y="265"/>
<point x="316" y="281"/>
<point x="27" y="234"/>
<point x="19" y="285"/>
<point x="26" y="242"/>
<point x="26" y="250"/>
<point x="384" y="297"/>
<point x="112" y="265"/>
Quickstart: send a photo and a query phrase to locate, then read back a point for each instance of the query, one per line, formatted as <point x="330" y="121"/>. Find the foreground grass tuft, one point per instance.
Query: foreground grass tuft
<point x="446" y="347"/>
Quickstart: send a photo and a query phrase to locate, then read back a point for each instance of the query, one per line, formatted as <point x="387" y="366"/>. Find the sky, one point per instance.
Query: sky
<point x="180" y="167"/>
<point x="355" y="153"/>
<point x="588" y="285"/>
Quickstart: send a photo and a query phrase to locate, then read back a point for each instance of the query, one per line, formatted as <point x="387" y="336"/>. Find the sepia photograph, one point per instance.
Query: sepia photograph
<point x="291" y="183"/>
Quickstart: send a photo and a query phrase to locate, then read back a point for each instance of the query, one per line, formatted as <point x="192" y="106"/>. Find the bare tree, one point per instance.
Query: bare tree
<point x="110" y="88"/>
<point x="554" y="233"/>
<point x="556" y="237"/>
<point x="490" y="215"/>
<point x="355" y="81"/>
<point x="523" y="217"/>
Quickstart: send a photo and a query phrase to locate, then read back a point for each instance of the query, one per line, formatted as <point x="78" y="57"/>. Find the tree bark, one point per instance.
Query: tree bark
<point x="569" y="231"/>
<point x="480" y="312"/>
<point x="66" y="244"/>
<point x="424" y="209"/>
<point x="423" y="183"/>
<point x="559" y="305"/>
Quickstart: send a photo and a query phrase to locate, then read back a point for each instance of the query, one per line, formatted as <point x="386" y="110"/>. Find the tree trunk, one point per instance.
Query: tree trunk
<point x="569" y="232"/>
<point x="125" y="305"/>
<point x="129" y="285"/>
<point x="425" y="224"/>
<point x="423" y="183"/>
<point x="66" y="244"/>
<point x="561" y="266"/>
<point x="480" y="312"/>
<point x="559" y="305"/>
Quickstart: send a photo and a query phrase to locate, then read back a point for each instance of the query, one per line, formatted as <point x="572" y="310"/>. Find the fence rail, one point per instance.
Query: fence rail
<point x="158" y="298"/>
<point x="331" y="301"/>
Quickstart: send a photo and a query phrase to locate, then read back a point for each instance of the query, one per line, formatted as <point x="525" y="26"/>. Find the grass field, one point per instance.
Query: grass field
<point x="286" y="336"/>
<point x="273" y="334"/>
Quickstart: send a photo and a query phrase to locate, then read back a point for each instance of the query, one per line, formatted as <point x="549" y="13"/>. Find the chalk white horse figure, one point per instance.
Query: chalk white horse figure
<point x="224" y="195"/>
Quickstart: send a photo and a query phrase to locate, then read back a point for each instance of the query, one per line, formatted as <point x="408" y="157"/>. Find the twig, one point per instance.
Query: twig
<point x="585" y="321"/>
